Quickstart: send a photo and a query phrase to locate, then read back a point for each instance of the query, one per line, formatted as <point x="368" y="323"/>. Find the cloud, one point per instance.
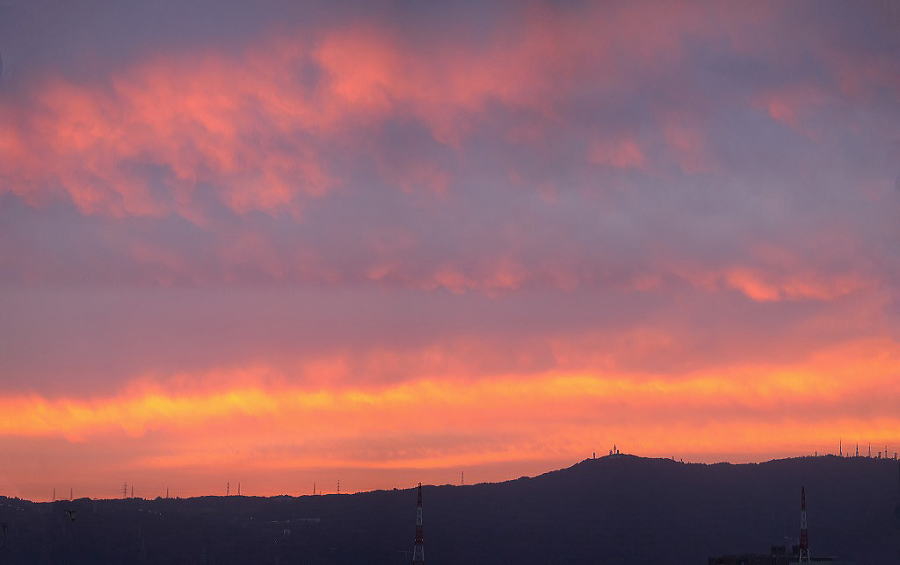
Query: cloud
<point x="626" y="154"/>
<point x="552" y="223"/>
<point x="258" y="123"/>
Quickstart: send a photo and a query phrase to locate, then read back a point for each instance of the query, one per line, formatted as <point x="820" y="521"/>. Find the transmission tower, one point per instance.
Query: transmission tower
<point x="804" y="533"/>
<point x="419" y="548"/>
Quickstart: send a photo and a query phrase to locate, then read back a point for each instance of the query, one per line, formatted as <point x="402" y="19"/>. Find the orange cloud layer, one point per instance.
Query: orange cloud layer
<point x="257" y="423"/>
<point x="832" y="382"/>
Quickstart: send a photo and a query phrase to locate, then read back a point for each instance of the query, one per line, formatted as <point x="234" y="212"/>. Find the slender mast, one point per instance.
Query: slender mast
<point x="804" y="533"/>
<point x="419" y="548"/>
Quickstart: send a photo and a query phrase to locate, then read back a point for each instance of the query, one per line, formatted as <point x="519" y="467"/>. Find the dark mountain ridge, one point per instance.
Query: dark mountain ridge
<point x="619" y="509"/>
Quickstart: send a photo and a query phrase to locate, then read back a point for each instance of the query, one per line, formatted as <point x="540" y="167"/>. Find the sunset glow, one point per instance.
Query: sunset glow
<point x="307" y="244"/>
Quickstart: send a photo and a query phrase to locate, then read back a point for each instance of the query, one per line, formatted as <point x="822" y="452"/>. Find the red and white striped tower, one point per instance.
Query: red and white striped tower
<point x="419" y="548"/>
<point x="804" y="533"/>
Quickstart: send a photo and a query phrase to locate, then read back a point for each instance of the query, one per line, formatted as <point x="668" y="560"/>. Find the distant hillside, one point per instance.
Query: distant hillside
<point x="612" y="510"/>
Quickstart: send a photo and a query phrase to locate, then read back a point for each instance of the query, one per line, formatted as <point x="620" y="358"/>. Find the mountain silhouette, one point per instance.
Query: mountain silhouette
<point x="619" y="509"/>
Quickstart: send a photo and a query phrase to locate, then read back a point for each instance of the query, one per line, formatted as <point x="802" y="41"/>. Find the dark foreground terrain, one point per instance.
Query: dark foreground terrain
<point x="612" y="510"/>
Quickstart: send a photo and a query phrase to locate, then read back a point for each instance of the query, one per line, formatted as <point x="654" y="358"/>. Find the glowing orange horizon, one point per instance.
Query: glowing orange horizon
<point x="446" y="423"/>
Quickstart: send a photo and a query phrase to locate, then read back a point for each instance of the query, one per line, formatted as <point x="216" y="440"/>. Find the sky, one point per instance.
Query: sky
<point x="379" y="243"/>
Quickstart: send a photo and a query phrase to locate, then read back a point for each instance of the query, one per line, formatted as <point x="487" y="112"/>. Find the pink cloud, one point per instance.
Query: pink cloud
<point x="247" y="124"/>
<point x="624" y="154"/>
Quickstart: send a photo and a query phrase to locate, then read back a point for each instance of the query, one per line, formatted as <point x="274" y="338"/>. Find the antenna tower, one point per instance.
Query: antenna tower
<point x="804" y="533"/>
<point x="419" y="548"/>
<point x="897" y="507"/>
